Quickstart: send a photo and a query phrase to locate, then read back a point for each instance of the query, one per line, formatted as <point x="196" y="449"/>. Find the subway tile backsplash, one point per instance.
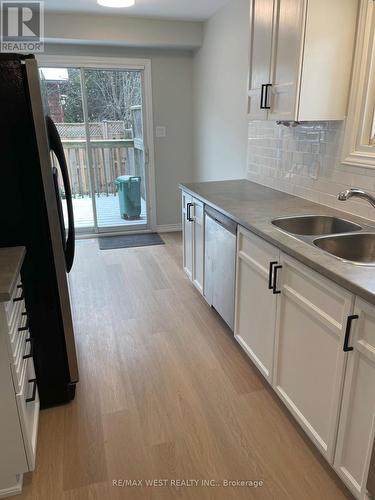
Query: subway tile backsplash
<point x="306" y="161"/>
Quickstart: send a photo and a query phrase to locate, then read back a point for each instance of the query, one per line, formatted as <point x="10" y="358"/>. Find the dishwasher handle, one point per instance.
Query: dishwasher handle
<point x="221" y="219"/>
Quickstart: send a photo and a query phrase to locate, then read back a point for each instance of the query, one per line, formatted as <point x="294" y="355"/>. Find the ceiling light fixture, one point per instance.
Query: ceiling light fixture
<point x="117" y="4"/>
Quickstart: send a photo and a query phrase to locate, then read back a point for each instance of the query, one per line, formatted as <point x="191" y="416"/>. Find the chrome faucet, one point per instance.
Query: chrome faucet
<point x="356" y="193"/>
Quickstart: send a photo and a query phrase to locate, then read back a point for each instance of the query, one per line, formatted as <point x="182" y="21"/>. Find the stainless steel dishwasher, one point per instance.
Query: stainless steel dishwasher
<point x="220" y="263"/>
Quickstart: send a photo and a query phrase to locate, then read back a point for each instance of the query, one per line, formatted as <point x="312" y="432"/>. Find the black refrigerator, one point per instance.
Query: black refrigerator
<point x="31" y="215"/>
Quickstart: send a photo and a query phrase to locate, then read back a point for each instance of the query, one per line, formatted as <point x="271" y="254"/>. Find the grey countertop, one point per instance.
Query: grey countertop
<point x="11" y="260"/>
<point x="253" y="206"/>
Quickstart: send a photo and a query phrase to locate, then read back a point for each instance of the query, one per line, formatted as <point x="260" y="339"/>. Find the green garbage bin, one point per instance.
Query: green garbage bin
<point x="129" y="195"/>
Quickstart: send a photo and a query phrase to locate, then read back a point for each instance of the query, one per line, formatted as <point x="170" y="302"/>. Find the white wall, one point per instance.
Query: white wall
<point x="121" y="30"/>
<point x="220" y="84"/>
<point x="306" y="161"/>
<point x="172" y="79"/>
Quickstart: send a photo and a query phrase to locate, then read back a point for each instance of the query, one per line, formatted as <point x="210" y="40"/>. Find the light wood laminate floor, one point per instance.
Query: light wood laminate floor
<point x="167" y="393"/>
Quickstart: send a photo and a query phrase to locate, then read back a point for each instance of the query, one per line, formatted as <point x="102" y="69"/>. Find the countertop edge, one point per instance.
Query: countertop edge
<point x="20" y="252"/>
<point x="338" y="279"/>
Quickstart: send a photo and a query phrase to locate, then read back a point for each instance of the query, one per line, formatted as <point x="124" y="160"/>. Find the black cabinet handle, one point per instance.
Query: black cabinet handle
<point x="26" y="327"/>
<point x="188" y="212"/>
<point x="347" y="332"/>
<point x="18" y="299"/>
<point x="266" y="105"/>
<point x="33" y="396"/>
<point x="31" y="352"/>
<point x="264" y="96"/>
<point x="274" y="284"/>
<point x="270" y="275"/>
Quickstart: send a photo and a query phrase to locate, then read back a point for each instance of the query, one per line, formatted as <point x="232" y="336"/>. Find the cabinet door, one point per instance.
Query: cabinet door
<point x="356" y="429"/>
<point x="286" y="58"/>
<point x="198" y="244"/>
<point x="255" y="302"/>
<point x="309" y="360"/>
<point x="261" y="19"/>
<point x="187" y="228"/>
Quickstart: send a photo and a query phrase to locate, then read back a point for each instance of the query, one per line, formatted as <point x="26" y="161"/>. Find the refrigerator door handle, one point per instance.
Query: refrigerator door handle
<point x="57" y="148"/>
<point x="60" y="212"/>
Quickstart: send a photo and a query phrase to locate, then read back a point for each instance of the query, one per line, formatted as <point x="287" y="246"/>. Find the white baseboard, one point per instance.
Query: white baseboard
<point x="14" y="489"/>
<point x="169" y="228"/>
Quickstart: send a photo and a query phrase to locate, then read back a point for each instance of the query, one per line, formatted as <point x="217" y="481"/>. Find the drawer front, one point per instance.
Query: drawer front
<point x="28" y="409"/>
<point x="18" y="320"/>
<point x="11" y="306"/>
<point x="20" y="345"/>
<point x="19" y="362"/>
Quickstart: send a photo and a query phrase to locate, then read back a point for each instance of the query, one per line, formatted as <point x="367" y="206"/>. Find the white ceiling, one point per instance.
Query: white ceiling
<point x="175" y="9"/>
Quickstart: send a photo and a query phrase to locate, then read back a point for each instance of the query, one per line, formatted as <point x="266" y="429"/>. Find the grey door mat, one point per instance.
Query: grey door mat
<point x="129" y="241"/>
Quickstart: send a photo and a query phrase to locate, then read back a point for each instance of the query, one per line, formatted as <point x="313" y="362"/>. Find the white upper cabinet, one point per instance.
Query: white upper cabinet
<point x="261" y="19"/>
<point x="300" y="59"/>
<point x="285" y="63"/>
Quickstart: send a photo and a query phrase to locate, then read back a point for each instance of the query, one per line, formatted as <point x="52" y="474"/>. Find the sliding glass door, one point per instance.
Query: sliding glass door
<point x="99" y="114"/>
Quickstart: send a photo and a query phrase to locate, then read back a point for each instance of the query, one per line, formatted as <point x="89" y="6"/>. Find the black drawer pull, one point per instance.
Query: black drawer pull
<point x="347" y="332"/>
<point x="270" y="285"/>
<point x="31" y="352"/>
<point x="274" y="284"/>
<point x="20" y="286"/>
<point x="33" y="396"/>
<point x="26" y="327"/>
<point x="18" y="299"/>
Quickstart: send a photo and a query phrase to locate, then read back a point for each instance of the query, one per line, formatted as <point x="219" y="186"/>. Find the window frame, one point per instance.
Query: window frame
<point x="359" y="144"/>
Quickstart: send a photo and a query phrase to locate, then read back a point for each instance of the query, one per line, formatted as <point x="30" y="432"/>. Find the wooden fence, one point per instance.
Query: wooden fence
<point x="110" y="159"/>
<point x="111" y="156"/>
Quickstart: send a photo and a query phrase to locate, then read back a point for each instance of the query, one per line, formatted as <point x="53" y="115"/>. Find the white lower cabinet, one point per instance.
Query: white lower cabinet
<point x="309" y="357"/>
<point x="187" y="229"/>
<point x="356" y="429"/>
<point x="255" y="300"/>
<point x="312" y="340"/>
<point x="19" y="400"/>
<point x="315" y="342"/>
<point x="193" y="239"/>
<point x="198" y="244"/>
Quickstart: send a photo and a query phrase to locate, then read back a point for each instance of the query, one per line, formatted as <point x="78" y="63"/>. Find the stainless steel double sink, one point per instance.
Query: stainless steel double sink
<point x="346" y="240"/>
